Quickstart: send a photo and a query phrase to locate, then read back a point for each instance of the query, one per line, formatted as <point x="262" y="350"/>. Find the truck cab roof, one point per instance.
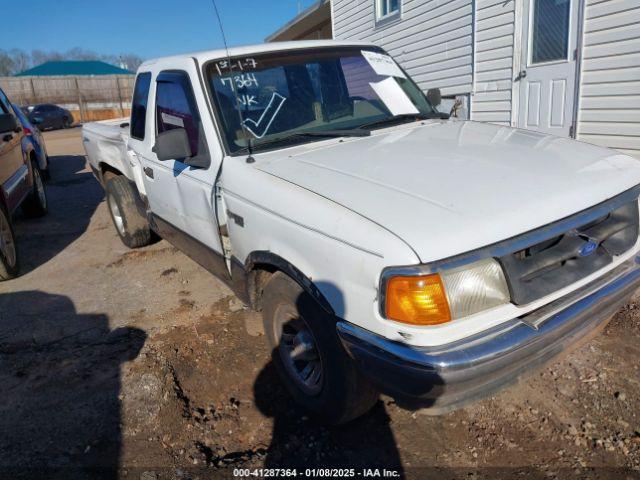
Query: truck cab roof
<point x="206" y="55"/>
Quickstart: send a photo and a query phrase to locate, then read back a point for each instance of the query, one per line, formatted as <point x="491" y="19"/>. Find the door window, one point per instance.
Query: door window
<point x="139" y="105"/>
<point x="176" y="107"/>
<point x="550" y="30"/>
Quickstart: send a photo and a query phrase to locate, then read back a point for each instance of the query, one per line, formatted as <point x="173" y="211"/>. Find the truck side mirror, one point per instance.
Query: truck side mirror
<point x="8" y="123"/>
<point x="172" y="144"/>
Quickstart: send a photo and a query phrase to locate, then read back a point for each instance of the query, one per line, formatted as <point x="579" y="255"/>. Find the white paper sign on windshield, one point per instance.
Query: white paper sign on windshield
<point x="383" y="64"/>
<point x="393" y="97"/>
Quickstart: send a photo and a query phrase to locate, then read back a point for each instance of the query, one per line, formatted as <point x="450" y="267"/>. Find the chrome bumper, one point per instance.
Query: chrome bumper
<point x="446" y="377"/>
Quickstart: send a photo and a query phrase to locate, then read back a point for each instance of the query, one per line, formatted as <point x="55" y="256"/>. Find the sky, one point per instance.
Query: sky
<point x="148" y="28"/>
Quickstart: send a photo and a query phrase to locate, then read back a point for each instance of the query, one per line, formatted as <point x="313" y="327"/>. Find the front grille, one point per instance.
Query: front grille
<point x="555" y="263"/>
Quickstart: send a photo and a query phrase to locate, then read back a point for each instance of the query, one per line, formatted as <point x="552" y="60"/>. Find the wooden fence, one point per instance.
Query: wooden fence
<point x="88" y="98"/>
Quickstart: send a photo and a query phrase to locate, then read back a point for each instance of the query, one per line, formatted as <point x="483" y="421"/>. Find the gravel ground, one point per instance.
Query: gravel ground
<point x="139" y="364"/>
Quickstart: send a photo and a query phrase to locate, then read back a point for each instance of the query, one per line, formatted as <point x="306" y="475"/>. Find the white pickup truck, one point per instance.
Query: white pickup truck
<point x="389" y="248"/>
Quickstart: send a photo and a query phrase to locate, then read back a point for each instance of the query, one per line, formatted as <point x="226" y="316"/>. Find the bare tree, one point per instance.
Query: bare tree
<point x="130" y="61"/>
<point x="6" y="63"/>
<point x="21" y="60"/>
<point x="79" y="53"/>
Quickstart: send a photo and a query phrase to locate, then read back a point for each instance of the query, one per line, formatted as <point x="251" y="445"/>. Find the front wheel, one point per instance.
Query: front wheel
<point x="308" y="355"/>
<point x="132" y="227"/>
<point x="8" y="250"/>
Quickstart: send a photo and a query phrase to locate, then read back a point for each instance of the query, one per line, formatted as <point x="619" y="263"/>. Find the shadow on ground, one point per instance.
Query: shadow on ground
<point x="301" y="442"/>
<point x="60" y="374"/>
<point x="73" y="197"/>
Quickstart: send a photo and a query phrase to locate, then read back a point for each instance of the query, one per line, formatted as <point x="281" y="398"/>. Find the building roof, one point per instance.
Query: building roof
<point x="317" y="14"/>
<point x="74" y="67"/>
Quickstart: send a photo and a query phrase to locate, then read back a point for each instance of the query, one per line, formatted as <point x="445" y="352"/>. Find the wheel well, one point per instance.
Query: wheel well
<point x="33" y="160"/>
<point x="108" y="172"/>
<point x="259" y="268"/>
<point x="257" y="278"/>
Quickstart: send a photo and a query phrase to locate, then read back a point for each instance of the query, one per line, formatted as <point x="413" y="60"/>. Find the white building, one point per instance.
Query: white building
<point x="566" y="67"/>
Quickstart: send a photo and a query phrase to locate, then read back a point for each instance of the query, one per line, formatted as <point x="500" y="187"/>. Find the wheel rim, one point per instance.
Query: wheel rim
<point x="117" y="216"/>
<point x="42" y="196"/>
<point x="7" y="245"/>
<point x="298" y="350"/>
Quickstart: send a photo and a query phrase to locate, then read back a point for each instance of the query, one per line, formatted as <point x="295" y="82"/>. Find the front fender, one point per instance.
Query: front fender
<point x="335" y="252"/>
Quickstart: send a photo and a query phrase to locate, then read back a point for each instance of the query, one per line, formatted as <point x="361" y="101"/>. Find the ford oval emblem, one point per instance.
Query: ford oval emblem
<point x="587" y="249"/>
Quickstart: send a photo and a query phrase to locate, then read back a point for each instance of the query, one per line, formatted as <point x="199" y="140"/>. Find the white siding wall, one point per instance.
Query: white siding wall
<point x="495" y="21"/>
<point x="433" y="41"/>
<point x="610" y="92"/>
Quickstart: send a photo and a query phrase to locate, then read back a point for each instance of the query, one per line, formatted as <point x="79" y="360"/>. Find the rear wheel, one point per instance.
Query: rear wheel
<point x="8" y="250"/>
<point x="66" y="122"/>
<point x="132" y="227"/>
<point x="36" y="203"/>
<point x="308" y="354"/>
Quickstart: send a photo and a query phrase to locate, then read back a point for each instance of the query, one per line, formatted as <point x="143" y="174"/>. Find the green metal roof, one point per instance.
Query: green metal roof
<point x="74" y="67"/>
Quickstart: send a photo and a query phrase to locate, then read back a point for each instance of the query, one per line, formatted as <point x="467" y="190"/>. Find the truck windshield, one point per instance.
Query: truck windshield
<point x="285" y="95"/>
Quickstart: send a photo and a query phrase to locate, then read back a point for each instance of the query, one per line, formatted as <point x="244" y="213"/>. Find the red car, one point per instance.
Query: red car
<point x="21" y="184"/>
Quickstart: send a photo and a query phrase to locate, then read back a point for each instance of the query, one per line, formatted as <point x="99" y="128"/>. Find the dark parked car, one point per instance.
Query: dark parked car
<point x="33" y="135"/>
<point x="20" y="184"/>
<point x="49" y="116"/>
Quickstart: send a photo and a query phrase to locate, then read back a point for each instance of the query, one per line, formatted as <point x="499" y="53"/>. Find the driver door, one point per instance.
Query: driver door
<point x="181" y="197"/>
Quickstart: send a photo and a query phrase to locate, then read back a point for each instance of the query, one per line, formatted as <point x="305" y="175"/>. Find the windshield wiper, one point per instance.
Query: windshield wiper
<point x="353" y="132"/>
<point x="403" y="118"/>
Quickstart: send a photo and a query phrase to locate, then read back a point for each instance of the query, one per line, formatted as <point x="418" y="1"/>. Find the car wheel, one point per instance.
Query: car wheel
<point x="35" y="204"/>
<point x="8" y="250"/>
<point x="308" y="355"/>
<point x="132" y="227"/>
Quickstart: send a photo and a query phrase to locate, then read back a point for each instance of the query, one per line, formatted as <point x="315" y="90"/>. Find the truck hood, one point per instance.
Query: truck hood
<point x="446" y="188"/>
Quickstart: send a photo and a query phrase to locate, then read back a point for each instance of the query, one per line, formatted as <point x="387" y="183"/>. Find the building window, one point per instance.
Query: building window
<point x="550" y="30"/>
<point x="387" y="10"/>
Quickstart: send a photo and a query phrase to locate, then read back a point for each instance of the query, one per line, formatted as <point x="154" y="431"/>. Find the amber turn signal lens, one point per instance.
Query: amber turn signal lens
<point x="417" y="300"/>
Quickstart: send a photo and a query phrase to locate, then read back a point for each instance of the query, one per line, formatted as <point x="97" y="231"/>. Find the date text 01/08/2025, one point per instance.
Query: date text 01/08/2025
<point x="316" y="472"/>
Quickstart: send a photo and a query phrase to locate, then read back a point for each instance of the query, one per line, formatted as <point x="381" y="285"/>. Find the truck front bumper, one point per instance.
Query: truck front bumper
<point x="446" y="377"/>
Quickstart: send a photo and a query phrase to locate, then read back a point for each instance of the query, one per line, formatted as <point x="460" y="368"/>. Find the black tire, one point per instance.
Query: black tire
<point x="341" y="393"/>
<point x="9" y="265"/>
<point x="66" y="123"/>
<point x="132" y="227"/>
<point x="35" y="205"/>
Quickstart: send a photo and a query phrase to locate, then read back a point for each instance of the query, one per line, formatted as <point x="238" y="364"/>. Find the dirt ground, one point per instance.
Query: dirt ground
<point x="139" y="364"/>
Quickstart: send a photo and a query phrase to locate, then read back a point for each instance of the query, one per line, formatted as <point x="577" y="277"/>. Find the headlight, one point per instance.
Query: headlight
<point x="439" y="298"/>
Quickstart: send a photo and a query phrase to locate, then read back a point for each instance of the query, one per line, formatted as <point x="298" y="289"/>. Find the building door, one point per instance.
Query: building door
<point x="548" y="74"/>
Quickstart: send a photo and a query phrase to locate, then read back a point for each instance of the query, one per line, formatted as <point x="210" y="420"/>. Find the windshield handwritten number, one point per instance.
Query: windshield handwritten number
<point x="241" y="64"/>
<point x="243" y="80"/>
<point x="260" y="128"/>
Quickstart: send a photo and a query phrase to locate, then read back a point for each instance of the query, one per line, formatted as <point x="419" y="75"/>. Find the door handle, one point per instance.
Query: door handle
<point x="148" y="172"/>
<point x="521" y="74"/>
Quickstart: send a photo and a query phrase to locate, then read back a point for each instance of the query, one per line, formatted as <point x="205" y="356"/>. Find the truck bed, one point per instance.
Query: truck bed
<point x="106" y="144"/>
